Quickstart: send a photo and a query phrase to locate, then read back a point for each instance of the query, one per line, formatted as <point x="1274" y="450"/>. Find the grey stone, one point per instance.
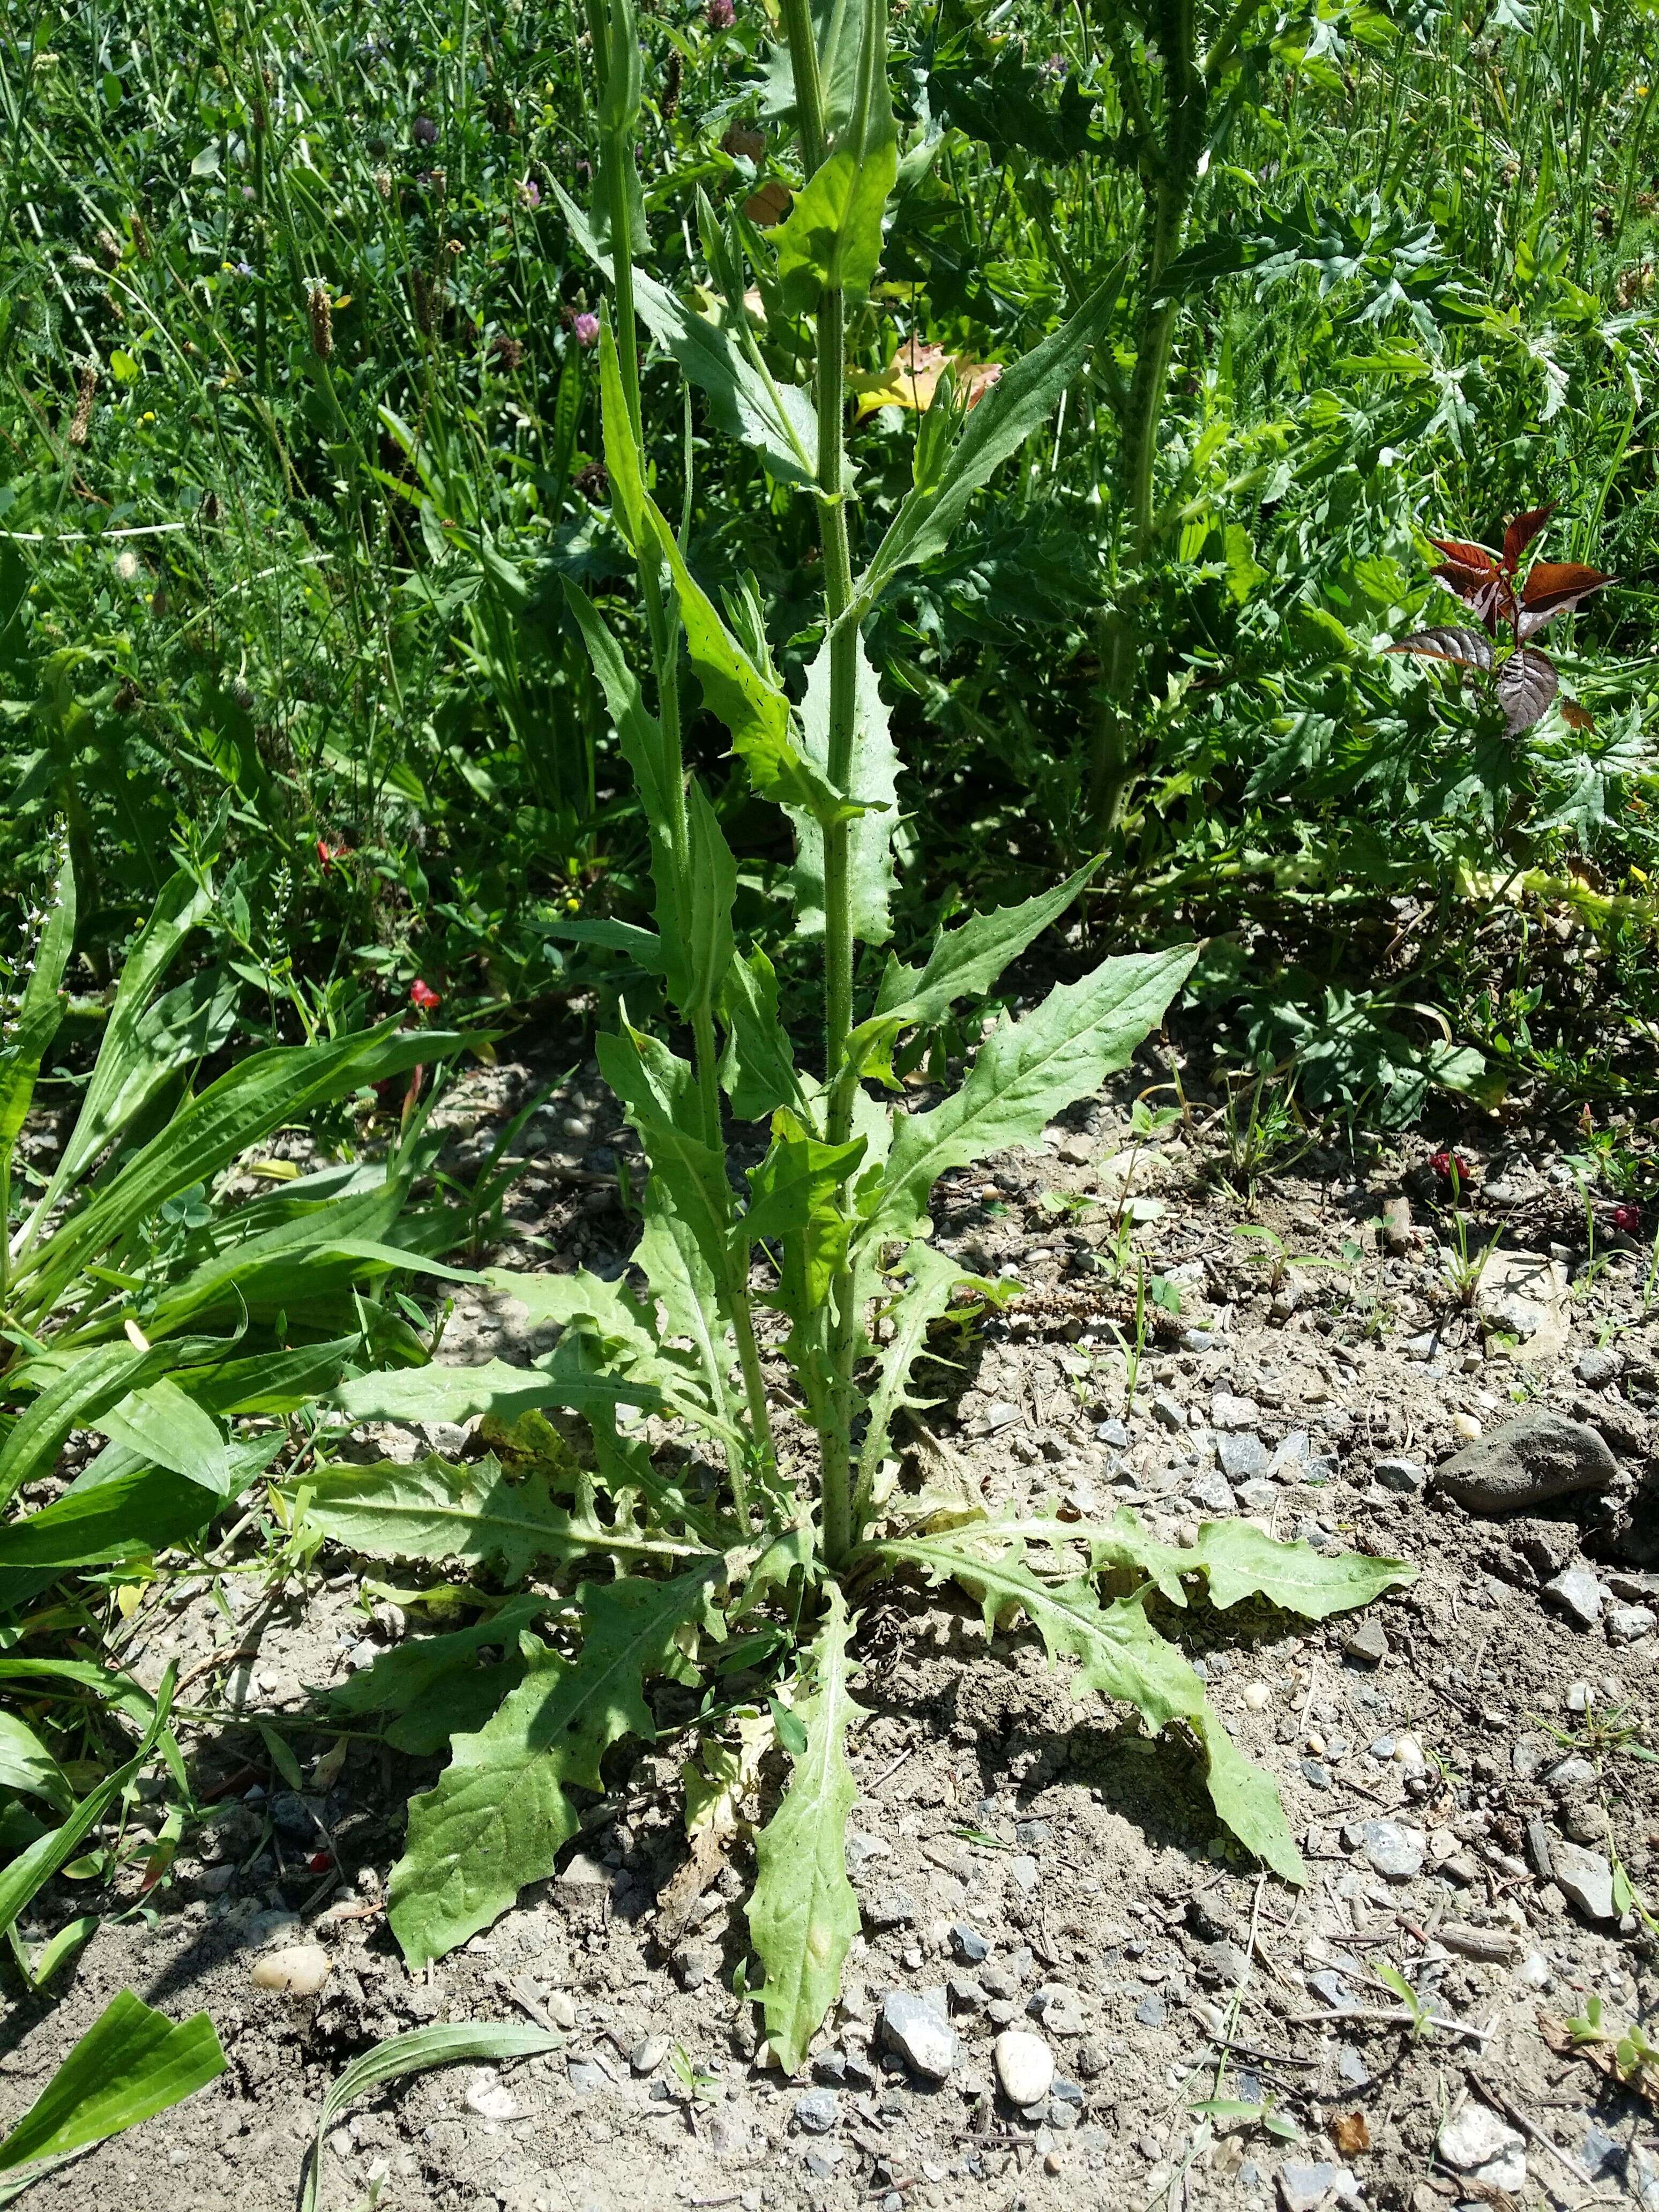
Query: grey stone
<point x="817" y="2112"/>
<point x="822" y="2163"/>
<point x="1641" y="2172"/>
<point x="1292" y="1452"/>
<point x="1024" y="2064"/>
<point x="1258" y="1496"/>
<point x="1577" y="1593"/>
<point x="1475" y="2141"/>
<point x="1213" y="1492"/>
<point x="891" y="1908"/>
<point x="1537" y="1456"/>
<point x="1113" y="1433"/>
<point x="1242" y="1455"/>
<point x="1316" y="1773"/>
<point x="918" y="2027"/>
<point x="1598" y="1366"/>
<point x="969" y="1946"/>
<point x="586" y="2076"/>
<point x="1600" y="2153"/>
<point x="1305" y="2187"/>
<point x="1224" y="1964"/>
<point x="1328" y="1986"/>
<point x="580" y="1872"/>
<point x="1585" y="1878"/>
<point x="1168" y="1411"/>
<point x="1227" y="1412"/>
<point x="1368" y="1645"/>
<point x="1407" y="1476"/>
<point x="1059" y="2008"/>
<point x="648" y="2053"/>
<point x="1629" y="1623"/>
<point x="1394" y="1851"/>
<point x="1153" y="2012"/>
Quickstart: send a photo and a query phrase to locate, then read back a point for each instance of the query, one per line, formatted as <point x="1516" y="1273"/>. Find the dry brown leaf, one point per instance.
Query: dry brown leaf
<point x="1350" y="2133"/>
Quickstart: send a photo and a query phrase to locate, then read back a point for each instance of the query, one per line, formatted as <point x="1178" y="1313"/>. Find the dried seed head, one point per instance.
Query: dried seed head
<point x="383" y="183"/>
<point x="321" y="311"/>
<point x="108" y="246"/>
<point x="671" y="86"/>
<point x="140" y="237"/>
<point x="86" y="394"/>
<point x="508" y="352"/>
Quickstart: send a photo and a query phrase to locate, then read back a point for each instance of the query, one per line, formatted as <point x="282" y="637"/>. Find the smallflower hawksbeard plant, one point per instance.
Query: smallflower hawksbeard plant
<point x="758" y="1578"/>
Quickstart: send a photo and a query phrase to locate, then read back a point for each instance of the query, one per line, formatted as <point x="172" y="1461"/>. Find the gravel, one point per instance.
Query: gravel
<point x="1475" y="2141"/>
<point x="1577" y="1593"/>
<point x="1585" y="1879"/>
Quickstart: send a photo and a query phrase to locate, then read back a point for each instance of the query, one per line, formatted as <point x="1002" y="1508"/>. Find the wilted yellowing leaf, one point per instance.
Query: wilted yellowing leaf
<point x="913" y="375"/>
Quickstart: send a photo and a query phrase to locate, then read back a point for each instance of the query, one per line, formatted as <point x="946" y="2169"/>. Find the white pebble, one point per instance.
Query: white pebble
<point x="300" y="1971"/>
<point x="1257" y="1697"/>
<point x="1466" y="1425"/>
<point x="1025" y="2066"/>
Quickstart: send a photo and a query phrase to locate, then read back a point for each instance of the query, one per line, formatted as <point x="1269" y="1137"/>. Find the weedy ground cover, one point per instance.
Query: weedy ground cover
<point x="649" y="516"/>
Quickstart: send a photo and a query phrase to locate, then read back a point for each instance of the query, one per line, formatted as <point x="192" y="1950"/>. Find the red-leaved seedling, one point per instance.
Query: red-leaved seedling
<point x="1511" y="611"/>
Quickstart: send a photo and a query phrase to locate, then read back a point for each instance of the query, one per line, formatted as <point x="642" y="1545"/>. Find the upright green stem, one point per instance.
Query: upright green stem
<point x="662" y="621"/>
<point x="835" y="1411"/>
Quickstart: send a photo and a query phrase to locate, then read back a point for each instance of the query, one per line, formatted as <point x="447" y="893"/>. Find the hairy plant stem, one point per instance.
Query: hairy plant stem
<point x="834" y="1406"/>
<point x="1170" y="168"/>
<point x="662" y="620"/>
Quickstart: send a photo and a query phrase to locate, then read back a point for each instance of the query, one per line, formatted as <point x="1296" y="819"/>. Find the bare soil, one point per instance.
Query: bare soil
<point x="1117" y="1925"/>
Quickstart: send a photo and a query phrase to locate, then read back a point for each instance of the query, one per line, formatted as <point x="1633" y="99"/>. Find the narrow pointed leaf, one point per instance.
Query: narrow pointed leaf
<point x="414" y="2053"/>
<point x="659" y="1096"/>
<point x="713" y="887"/>
<point x="1521" y="531"/>
<point x="832" y="239"/>
<point x="777" y="420"/>
<point x="1025" y="1073"/>
<point x="645" y="750"/>
<point x="803" y="1915"/>
<point x="439" y="1393"/>
<point x="1020" y="402"/>
<point x="167" y="1429"/>
<point x="500" y="1812"/>
<point x="27" y="1038"/>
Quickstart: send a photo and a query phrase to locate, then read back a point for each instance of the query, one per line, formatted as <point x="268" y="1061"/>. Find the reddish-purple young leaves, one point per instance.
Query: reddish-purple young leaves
<point x="1524" y="680"/>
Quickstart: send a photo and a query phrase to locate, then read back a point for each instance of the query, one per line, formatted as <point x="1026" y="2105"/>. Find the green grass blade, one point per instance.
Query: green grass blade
<point x="131" y="2064"/>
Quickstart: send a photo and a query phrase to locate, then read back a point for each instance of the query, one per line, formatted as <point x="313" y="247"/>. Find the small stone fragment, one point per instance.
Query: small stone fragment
<point x="1577" y="1593"/>
<point x="1242" y="1455"/>
<point x="1255" y="1697"/>
<point x="490" y="2097"/>
<point x="1537" y="1456"/>
<point x="1585" y="1878"/>
<point x="969" y="1946"/>
<point x="1308" y="2187"/>
<point x="917" y="2027"/>
<point x="1025" y="2066"/>
<point x="1597" y="1366"/>
<point x="580" y="1872"/>
<point x="648" y="2054"/>
<point x="817" y="2112"/>
<point x="1398" y="1235"/>
<point x="1394" y="1851"/>
<point x="1059" y="2006"/>
<point x="1475" y="2141"/>
<point x="1227" y="1412"/>
<point x="299" y="1972"/>
<point x="1211" y="1491"/>
<point x="1153" y="2012"/>
<point x="1369" y="1644"/>
<point x="1409" y="1477"/>
<point x="1629" y="1623"/>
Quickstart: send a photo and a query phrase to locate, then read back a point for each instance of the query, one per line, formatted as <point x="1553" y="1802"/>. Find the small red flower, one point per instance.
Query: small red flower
<point x="329" y="851"/>
<point x="1627" y="1218"/>
<point x="321" y="1862"/>
<point x="1447" y="1165"/>
<point x="423" y="997"/>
